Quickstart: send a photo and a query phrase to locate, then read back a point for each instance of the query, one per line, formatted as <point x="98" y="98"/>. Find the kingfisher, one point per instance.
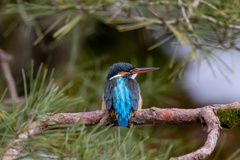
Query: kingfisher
<point x="121" y="92"/>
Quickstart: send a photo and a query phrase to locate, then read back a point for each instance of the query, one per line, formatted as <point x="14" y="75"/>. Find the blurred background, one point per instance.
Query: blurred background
<point x="80" y="40"/>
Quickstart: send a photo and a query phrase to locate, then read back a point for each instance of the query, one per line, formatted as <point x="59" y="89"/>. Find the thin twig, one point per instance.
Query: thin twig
<point x="115" y="14"/>
<point x="23" y="13"/>
<point x="196" y="3"/>
<point x="211" y="19"/>
<point x="47" y="156"/>
<point x="213" y="7"/>
<point x="185" y="15"/>
<point x="155" y="13"/>
<point x="4" y="62"/>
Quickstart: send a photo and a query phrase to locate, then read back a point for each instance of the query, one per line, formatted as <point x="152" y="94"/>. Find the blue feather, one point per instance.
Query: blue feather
<point x="122" y="102"/>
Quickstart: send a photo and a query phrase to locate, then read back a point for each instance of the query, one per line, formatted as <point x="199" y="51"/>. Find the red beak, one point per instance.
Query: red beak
<point x="142" y="70"/>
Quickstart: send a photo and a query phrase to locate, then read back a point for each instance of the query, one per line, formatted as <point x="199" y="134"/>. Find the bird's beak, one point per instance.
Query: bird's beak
<point x="142" y="70"/>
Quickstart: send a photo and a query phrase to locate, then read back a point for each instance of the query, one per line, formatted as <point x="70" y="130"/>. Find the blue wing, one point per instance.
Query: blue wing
<point x="108" y="90"/>
<point x="135" y="93"/>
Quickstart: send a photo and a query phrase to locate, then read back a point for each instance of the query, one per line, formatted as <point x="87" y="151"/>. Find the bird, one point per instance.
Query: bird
<point x="121" y="92"/>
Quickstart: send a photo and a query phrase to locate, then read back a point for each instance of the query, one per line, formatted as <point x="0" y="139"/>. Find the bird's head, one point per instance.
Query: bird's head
<point x="126" y="70"/>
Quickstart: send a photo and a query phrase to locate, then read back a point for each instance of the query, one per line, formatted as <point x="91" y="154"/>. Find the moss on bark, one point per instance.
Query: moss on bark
<point x="229" y="117"/>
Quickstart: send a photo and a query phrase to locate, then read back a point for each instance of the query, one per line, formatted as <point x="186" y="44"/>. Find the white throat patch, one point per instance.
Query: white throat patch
<point x="134" y="76"/>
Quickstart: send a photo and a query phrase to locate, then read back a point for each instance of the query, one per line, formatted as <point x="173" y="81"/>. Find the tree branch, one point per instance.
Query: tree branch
<point x="205" y="116"/>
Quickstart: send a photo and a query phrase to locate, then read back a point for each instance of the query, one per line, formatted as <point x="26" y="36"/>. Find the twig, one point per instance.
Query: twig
<point x="47" y="156"/>
<point x="155" y="13"/>
<point x="4" y="62"/>
<point x="211" y="19"/>
<point x="195" y="3"/>
<point x="213" y="7"/>
<point x="205" y="116"/>
<point x="185" y="15"/>
<point x="23" y="13"/>
<point x="115" y="14"/>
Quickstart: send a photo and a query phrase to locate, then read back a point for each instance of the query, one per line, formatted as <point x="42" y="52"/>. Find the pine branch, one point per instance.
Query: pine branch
<point x="205" y="116"/>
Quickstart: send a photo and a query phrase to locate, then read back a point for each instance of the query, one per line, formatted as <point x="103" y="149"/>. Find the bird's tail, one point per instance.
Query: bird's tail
<point x="123" y="121"/>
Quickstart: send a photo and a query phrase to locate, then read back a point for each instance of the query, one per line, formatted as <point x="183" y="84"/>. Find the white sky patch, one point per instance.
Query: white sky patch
<point x="206" y="85"/>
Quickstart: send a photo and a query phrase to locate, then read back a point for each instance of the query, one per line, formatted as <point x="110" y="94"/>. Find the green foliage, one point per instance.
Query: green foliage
<point x="229" y="117"/>
<point x="160" y="85"/>
<point x="91" y="143"/>
<point x="201" y="27"/>
<point x="42" y="95"/>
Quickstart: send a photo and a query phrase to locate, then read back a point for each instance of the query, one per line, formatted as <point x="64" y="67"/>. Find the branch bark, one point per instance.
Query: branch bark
<point x="205" y="116"/>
